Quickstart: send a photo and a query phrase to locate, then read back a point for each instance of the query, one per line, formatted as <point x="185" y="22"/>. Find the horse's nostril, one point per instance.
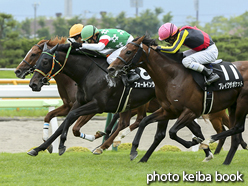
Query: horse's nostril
<point x="17" y="72"/>
<point x="111" y="69"/>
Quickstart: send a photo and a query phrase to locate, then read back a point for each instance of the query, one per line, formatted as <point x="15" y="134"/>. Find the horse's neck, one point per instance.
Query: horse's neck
<point x="160" y="66"/>
<point x="79" y="66"/>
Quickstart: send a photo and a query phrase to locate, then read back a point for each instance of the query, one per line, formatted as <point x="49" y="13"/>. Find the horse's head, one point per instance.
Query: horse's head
<point x="128" y="58"/>
<point x="46" y="67"/>
<point x="27" y="65"/>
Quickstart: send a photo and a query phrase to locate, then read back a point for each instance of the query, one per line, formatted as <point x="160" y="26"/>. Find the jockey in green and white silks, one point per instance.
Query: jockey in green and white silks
<point x="106" y="39"/>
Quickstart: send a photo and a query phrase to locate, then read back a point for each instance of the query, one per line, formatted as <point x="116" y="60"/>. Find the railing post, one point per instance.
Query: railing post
<point x="54" y="124"/>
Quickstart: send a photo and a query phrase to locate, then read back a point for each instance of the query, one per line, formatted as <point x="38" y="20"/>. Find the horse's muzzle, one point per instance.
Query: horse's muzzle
<point x="34" y="86"/>
<point x="112" y="72"/>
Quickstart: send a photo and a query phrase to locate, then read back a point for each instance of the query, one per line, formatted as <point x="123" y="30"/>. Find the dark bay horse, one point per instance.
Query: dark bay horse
<point x="95" y="93"/>
<point x="180" y="96"/>
<point x="67" y="90"/>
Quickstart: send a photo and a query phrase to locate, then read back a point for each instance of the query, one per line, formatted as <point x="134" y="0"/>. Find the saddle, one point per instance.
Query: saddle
<point x="230" y="77"/>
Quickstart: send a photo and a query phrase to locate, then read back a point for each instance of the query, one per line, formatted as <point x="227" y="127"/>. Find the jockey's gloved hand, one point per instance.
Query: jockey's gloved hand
<point x="76" y="45"/>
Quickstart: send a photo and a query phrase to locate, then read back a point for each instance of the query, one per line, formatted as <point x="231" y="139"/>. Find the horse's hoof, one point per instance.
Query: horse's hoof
<point x="211" y="140"/>
<point x="133" y="155"/>
<point x="50" y="149"/>
<point x="207" y="159"/>
<point x="116" y="143"/>
<point x="100" y="133"/>
<point x="32" y="153"/>
<point x="98" y="151"/>
<point x="197" y="139"/>
<point x="62" y="150"/>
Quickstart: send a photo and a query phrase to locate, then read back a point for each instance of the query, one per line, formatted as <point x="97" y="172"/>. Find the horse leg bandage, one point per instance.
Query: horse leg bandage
<point x="45" y="131"/>
<point x="87" y="137"/>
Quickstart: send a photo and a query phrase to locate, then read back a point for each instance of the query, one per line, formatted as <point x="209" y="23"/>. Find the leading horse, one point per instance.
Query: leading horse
<point x="180" y="96"/>
<point x="67" y="90"/>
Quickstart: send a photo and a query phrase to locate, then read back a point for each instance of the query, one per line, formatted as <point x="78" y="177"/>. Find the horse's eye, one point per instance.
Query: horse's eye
<point x="128" y="52"/>
<point x="45" y="62"/>
<point x="33" y="55"/>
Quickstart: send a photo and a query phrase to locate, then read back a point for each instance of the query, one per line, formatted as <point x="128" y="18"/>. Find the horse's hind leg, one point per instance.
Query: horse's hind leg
<point x="123" y="122"/>
<point x="218" y="121"/>
<point x="160" y="135"/>
<point x="82" y="120"/>
<point x="235" y="141"/>
<point x="60" y="111"/>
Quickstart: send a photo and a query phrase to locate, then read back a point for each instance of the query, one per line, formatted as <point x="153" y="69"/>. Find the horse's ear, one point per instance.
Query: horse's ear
<point x="45" y="46"/>
<point x="54" y="49"/>
<point x="141" y="39"/>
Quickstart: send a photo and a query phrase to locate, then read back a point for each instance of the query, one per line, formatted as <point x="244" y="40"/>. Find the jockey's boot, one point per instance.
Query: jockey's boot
<point x="211" y="77"/>
<point x="132" y="76"/>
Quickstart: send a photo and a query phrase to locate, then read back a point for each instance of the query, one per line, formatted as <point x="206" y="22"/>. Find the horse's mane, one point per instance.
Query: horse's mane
<point x="54" y="41"/>
<point x="149" y="42"/>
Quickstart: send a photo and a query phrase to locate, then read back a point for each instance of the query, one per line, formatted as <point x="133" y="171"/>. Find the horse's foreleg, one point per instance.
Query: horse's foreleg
<point x="87" y="109"/>
<point x="157" y="115"/>
<point x="60" y="111"/>
<point x="160" y="135"/>
<point x="109" y="128"/>
<point x="47" y="143"/>
<point x="196" y="130"/>
<point x="184" y="119"/>
<point x="141" y="113"/>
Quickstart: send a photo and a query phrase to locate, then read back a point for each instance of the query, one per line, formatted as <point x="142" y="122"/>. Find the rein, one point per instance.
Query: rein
<point x="49" y="75"/>
<point x="94" y="61"/>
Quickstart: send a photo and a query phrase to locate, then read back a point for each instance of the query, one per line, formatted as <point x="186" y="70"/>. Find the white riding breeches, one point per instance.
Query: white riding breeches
<point x="117" y="52"/>
<point x="194" y="59"/>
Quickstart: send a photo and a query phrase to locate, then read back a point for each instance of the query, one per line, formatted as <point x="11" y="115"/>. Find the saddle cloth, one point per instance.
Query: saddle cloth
<point x="230" y="77"/>
<point x="145" y="81"/>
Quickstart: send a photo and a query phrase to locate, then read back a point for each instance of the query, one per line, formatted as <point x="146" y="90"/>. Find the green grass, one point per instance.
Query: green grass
<point x="112" y="168"/>
<point x="7" y="74"/>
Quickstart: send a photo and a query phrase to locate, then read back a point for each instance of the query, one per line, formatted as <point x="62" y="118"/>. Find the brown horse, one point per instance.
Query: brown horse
<point x="180" y="96"/>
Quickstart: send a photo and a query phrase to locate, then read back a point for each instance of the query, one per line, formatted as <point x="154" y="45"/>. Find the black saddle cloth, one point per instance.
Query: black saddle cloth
<point x="230" y="77"/>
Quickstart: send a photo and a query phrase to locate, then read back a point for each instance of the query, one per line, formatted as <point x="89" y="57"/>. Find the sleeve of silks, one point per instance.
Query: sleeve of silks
<point x="176" y="45"/>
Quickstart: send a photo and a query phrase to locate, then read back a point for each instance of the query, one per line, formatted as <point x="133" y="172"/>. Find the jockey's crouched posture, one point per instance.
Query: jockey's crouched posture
<point x="203" y="50"/>
<point x="99" y="40"/>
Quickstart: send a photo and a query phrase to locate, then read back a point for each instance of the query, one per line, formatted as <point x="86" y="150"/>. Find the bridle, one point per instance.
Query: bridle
<point x="31" y="68"/>
<point x="134" y="61"/>
<point x="47" y="76"/>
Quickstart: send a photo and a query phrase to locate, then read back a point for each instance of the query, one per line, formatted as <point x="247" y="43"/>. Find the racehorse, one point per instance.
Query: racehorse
<point x="96" y="93"/>
<point x="67" y="91"/>
<point x="179" y="95"/>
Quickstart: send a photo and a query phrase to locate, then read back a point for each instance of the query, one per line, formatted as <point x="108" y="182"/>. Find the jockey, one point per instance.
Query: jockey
<point x="99" y="40"/>
<point x="75" y="32"/>
<point x="203" y="50"/>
